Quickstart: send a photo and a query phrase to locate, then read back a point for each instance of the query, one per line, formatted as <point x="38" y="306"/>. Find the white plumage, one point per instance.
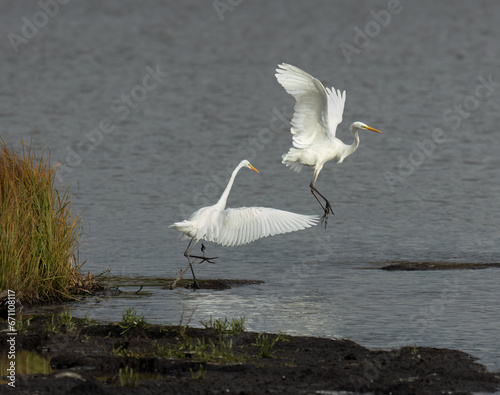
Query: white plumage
<point x="237" y="226"/>
<point x="317" y="113"/>
<point x="317" y="110"/>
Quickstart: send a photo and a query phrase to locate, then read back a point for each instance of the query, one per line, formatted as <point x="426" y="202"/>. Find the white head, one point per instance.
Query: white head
<point x="360" y="125"/>
<point x="245" y="163"/>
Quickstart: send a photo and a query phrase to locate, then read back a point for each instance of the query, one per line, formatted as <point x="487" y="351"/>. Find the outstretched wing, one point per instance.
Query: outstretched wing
<point x="336" y="103"/>
<point x="318" y="111"/>
<point x="245" y="224"/>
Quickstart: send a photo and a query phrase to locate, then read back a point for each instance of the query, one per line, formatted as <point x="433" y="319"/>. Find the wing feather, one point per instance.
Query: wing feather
<point x="317" y="110"/>
<point x="336" y="103"/>
<point x="275" y="226"/>
<point x="245" y="224"/>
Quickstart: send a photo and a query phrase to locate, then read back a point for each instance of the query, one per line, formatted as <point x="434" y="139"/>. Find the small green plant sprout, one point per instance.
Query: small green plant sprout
<point x="130" y="320"/>
<point x="198" y="374"/>
<point x="66" y="321"/>
<point x="118" y="350"/>
<point x="412" y="348"/>
<point x="121" y="351"/>
<point x="194" y="349"/>
<point x="23" y="325"/>
<point x="168" y="351"/>
<point x="222" y="351"/>
<point x="127" y="377"/>
<point x="237" y="325"/>
<point x="186" y="349"/>
<point x="166" y="330"/>
<point x="88" y="319"/>
<point x="266" y="345"/>
<point x="50" y="326"/>
<point x="183" y="326"/>
<point x="282" y="337"/>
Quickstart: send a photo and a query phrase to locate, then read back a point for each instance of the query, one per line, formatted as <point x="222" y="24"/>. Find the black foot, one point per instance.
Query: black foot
<point x="203" y="258"/>
<point x="327" y="210"/>
<point x="194" y="285"/>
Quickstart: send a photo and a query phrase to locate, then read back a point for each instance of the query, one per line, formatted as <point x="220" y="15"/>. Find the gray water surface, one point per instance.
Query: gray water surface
<point x="183" y="91"/>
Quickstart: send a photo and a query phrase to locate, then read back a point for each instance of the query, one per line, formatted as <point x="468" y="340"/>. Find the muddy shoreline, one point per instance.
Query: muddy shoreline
<point x="136" y="358"/>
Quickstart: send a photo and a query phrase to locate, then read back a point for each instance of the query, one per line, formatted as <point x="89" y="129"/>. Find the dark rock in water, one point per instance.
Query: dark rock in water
<point x="108" y="291"/>
<point x="211" y="284"/>
<point x="223" y="284"/>
<point x="410" y="266"/>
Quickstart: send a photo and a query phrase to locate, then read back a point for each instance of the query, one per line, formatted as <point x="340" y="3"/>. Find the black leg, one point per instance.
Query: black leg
<point x="195" y="283"/>
<point x="327" y="208"/>
<point x="186" y="254"/>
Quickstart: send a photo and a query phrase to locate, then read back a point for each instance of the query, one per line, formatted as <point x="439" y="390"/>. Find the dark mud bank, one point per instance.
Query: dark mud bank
<point x="85" y="357"/>
<point x="411" y="266"/>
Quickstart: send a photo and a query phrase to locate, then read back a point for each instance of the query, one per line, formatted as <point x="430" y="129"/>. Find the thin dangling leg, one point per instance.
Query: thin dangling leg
<point x="186" y="254"/>
<point x="313" y="191"/>
<point x="327" y="208"/>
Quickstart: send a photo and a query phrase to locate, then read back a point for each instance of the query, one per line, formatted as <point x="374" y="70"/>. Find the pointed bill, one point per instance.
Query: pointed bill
<point x="370" y="128"/>
<point x="253" y="168"/>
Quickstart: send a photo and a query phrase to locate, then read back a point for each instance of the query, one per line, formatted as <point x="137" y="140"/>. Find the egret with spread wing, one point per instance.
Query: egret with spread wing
<point x="237" y="226"/>
<point x="317" y="113"/>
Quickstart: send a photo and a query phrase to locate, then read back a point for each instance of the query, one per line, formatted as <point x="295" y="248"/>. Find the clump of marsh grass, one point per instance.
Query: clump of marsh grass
<point x="38" y="234"/>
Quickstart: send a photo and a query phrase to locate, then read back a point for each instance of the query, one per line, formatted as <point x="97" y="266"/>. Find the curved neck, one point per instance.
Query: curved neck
<point x="223" y="199"/>
<point x="354" y="146"/>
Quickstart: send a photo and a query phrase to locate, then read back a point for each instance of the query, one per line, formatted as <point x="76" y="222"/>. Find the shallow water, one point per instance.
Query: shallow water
<point x="416" y="192"/>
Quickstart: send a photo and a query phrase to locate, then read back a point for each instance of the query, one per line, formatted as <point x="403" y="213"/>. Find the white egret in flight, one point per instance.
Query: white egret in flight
<point x="237" y="226"/>
<point x="317" y="113"/>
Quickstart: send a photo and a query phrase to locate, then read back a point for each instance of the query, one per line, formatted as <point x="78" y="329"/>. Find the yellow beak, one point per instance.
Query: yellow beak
<point x="253" y="168"/>
<point x="375" y="130"/>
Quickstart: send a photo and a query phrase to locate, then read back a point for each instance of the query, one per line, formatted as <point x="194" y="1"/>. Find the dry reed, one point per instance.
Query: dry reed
<point x="38" y="233"/>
